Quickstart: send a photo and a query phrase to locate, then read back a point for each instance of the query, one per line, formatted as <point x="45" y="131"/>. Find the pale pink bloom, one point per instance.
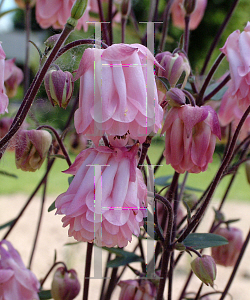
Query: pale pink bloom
<point x="236" y="50"/>
<point x="104" y="204"/>
<point x="55" y="13"/>
<point x="227" y="255"/>
<point x="178" y="14"/>
<point x="16" y="281"/>
<point x="118" y="92"/>
<point x="13" y="76"/>
<point x="4" y="101"/>
<point x="139" y="289"/>
<point x="191" y="133"/>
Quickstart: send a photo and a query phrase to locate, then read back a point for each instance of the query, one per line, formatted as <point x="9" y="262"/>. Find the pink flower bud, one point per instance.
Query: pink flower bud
<point x="65" y="284"/>
<point x="13" y="76"/>
<point x="31" y="149"/>
<point x="137" y="289"/>
<point x="205" y="269"/>
<point x="174" y="65"/>
<point x="176" y="97"/>
<point x="227" y="255"/>
<point x="59" y="87"/>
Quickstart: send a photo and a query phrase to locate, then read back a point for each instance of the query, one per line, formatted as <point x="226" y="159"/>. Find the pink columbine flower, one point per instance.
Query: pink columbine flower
<point x="227" y="255"/>
<point x="191" y="133"/>
<point x="4" y="101"/>
<point x="13" y="76"/>
<point x="118" y="92"/>
<point x="55" y="13"/>
<point x="236" y="50"/>
<point x="105" y="203"/>
<point x="178" y="14"/>
<point x="138" y="289"/>
<point x="16" y="281"/>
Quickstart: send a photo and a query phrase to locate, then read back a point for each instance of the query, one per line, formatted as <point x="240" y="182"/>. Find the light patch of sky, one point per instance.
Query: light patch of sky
<point x="6" y="23"/>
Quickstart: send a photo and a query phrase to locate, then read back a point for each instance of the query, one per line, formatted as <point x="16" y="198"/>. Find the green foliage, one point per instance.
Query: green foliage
<point x="204" y="240"/>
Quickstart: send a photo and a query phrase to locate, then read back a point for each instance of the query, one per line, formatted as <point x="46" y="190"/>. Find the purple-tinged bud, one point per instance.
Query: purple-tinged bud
<point x="189" y="6"/>
<point x="174" y="65"/>
<point x="13" y="76"/>
<point x="65" y="284"/>
<point x="227" y="255"/>
<point x="205" y="269"/>
<point x="51" y="41"/>
<point x="22" y="3"/>
<point x="59" y="87"/>
<point x="140" y="289"/>
<point x="176" y="97"/>
<point x="31" y="149"/>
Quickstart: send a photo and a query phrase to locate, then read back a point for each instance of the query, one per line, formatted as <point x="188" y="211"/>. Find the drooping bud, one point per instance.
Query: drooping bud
<point x="65" y="284"/>
<point x="31" y="149"/>
<point x="13" y="76"/>
<point x="176" y="97"/>
<point x="140" y="289"/>
<point x="227" y="255"/>
<point x="189" y="6"/>
<point x="22" y="3"/>
<point x="77" y="11"/>
<point x="174" y="65"/>
<point x="59" y="87"/>
<point x="205" y="269"/>
<point x="51" y="41"/>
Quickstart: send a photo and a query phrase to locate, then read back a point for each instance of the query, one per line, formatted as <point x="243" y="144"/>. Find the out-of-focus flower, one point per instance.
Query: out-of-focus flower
<point x="16" y="281"/>
<point x="13" y="76"/>
<point x="178" y="14"/>
<point x="205" y="269"/>
<point x="106" y="200"/>
<point x="59" y="87"/>
<point x="139" y="289"/>
<point x="174" y="65"/>
<point x="55" y="13"/>
<point x="22" y="3"/>
<point x="175" y="97"/>
<point x="191" y="133"/>
<point x="227" y="255"/>
<point x="4" y="100"/>
<point x="78" y="142"/>
<point x="65" y="284"/>
<point x="31" y="149"/>
<point x="118" y="92"/>
<point x="236" y="50"/>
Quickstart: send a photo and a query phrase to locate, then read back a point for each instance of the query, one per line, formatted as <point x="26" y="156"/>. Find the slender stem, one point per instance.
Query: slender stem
<point x="197" y="297"/>
<point x="158" y="164"/>
<point x="27" y="33"/>
<point x="218" y="35"/>
<point x="110" y="18"/>
<point x="123" y="26"/>
<point x="186" y="34"/>
<point x="145" y="147"/>
<point x="193" y="250"/>
<point x="104" y="27"/>
<point x="50" y="270"/>
<point x="166" y="16"/>
<point x="217" y="89"/>
<point x="242" y="251"/>
<point x="183" y="292"/>
<point x="39" y="222"/>
<point x="87" y="271"/>
<point x="105" y="277"/>
<point x="60" y="142"/>
<point x="183" y="186"/>
<point x="32" y="91"/>
<point x="112" y="284"/>
<point x="170" y="276"/>
<point x="197" y="217"/>
<point x="199" y="100"/>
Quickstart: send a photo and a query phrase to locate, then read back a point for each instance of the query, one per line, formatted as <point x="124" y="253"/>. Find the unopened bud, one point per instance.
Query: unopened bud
<point x="125" y="8"/>
<point x="227" y="255"/>
<point x="65" y="284"/>
<point x="174" y="65"/>
<point x="77" y="11"/>
<point x="189" y="6"/>
<point x="137" y="289"/>
<point x="176" y="97"/>
<point x="59" y="87"/>
<point x="31" y="149"/>
<point x="205" y="269"/>
<point x="51" y="41"/>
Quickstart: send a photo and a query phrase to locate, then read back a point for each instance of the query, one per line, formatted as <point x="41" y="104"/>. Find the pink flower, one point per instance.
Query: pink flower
<point x="236" y="50"/>
<point x="137" y="289"/>
<point x="16" y="282"/>
<point x="190" y="137"/>
<point x="118" y="92"/>
<point x="55" y="13"/>
<point x="178" y="14"/>
<point x="227" y="255"/>
<point x="105" y="204"/>
<point x="4" y="101"/>
<point x="13" y="76"/>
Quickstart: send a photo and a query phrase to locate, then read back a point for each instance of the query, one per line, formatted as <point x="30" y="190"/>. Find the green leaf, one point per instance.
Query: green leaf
<point x="8" y="174"/>
<point x="219" y="94"/>
<point x="70" y="179"/>
<point x="9" y="223"/>
<point x="164" y="180"/>
<point x="52" y="207"/>
<point x="57" y="156"/>
<point x="204" y="240"/>
<point x="231" y="221"/>
<point x="165" y="82"/>
<point x="123" y="257"/>
<point x="45" y="295"/>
